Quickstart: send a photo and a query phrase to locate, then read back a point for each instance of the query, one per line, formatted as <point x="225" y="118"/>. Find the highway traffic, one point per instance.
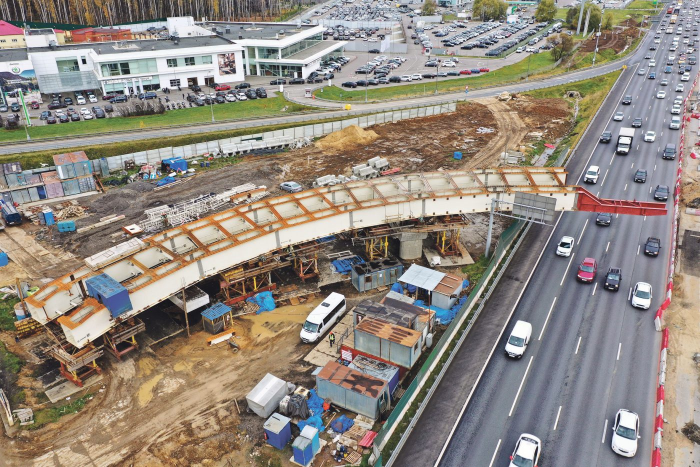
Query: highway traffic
<point x="591" y="353"/>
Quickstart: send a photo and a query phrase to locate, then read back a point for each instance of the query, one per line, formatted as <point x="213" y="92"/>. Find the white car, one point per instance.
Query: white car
<point x="652" y="62"/>
<point x="92" y="98"/>
<point x="678" y="100"/>
<point x="618" y="116"/>
<point x="671" y="57"/>
<point x="566" y="245"/>
<point x="625" y="433"/>
<point x="676" y="109"/>
<point x="406" y="78"/>
<point x="527" y="451"/>
<point x="518" y="340"/>
<point x="230" y="98"/>
<point x="416" y="77"/>
<point x="685" y="76"/>
<point x="241" y="96"/>
<point x="592" y="175"/>
<point x="680" y="87"/>
<point x="650" y="136"/>
<point x="661" y="95"/>
<point x="448" y="64"/>
<point x="641" y="295"/>
<point x="84" y="111"/>
<point x="642" y="71"/>
<point x="80" y="100"/>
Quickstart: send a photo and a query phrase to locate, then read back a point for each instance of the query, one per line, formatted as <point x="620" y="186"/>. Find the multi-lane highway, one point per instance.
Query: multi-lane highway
<point x="591" y="352"/>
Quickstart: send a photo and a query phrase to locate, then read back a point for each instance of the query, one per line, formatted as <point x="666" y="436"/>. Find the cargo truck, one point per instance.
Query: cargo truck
<point x="624" y="140"/>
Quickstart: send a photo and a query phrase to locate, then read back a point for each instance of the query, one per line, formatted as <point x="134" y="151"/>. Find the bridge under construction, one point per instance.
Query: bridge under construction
<point x="102" y="299"/>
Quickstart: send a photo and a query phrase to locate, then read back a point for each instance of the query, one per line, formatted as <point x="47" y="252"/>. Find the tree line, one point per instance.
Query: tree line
<point x="108" y="12"/>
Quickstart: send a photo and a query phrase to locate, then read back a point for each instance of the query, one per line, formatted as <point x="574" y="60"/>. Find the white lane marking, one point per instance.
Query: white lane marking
<point x="625" y="187"/>
<point x="607" y="246"/>
<point x="632" y="167"/>
<point x="605" y="430"/>
<point x="595" y="286"/>
<point x="584" y="229"/>
<point x="578" y="345"/>
<point x="619" y="348"/>
<point x="520" y="388"/>
<point x="638" y="247"/>
<point x="612" y="158"/>
<point x="604" y="177"/>
<point x="546" y="320"/>
<point x="493" y="458"/>
<point x="556" y="422"/>
<point x="567" y="270"/>
<point x="649" y="190"/>
<point x="654" y="167"/>
<point x="629" y="295"/>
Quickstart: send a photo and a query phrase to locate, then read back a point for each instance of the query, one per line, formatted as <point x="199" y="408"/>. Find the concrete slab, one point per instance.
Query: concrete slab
<point x="449" y="261"/>
<point x="67" y="389"/>
<point x="323" y="352"/>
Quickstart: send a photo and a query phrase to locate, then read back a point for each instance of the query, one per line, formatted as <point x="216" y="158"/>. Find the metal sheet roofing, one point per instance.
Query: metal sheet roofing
<point x="424" y="278"/>
<point x="353" y="380"/>
<point x="215" y="311"/>
<point x="391" y="332"/>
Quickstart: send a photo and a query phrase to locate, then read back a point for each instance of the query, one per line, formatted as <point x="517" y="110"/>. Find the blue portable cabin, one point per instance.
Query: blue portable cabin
<point x="376" y="273"/>
<point x="217" y="318"/>
<point x="303" y="450"/>
<point x="110" y="293"/>
<point x="10" y="214"/>
<point x="310" y="432"/>
<point x="278" y="430"/>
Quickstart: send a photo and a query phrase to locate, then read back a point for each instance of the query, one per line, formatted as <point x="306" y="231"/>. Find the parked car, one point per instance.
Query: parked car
<point x="242" y="86"/>
<point x="278" y="81"/>
<point x="261" y="93"/>
<point x="34" y="105"/>
<point x="297" y="81"/>
<point x="222" y="87"/>
<point x="45" y="114"/>
<point x="291" y="187"/>
<point x="51" y="120"/>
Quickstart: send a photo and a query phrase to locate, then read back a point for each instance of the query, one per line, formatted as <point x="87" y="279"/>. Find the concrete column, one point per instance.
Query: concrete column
<point x="411" y="245"/>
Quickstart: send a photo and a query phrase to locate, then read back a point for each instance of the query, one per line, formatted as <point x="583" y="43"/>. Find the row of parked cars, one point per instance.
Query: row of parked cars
<point x="243" y="93"/>
<point x="381" y="66"/>
<point x="73" y="115"/>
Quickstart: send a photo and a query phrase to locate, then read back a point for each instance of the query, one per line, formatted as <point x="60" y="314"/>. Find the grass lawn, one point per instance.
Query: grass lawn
<point x="52" y="414"/>
<point x="7" y="313"/>
<point x="194" y="115"/>
<point x="643" y="5"/>
<point x="508" y="74"/>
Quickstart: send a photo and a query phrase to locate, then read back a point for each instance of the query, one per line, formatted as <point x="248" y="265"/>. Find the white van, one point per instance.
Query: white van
<point x="519" y="338"/>
<point x="675" y="123"/>
<point x="323" y="318"/>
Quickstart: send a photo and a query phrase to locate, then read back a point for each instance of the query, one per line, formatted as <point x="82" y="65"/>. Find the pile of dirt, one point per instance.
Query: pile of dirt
<point x="692" y="432"/>
<point x="347" y="138"/>
<point x="617" y="40"/>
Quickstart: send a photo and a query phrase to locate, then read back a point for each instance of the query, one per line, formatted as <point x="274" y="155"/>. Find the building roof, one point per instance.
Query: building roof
<point x="130" y="46"/>
<point x="390" y="311"/>
<point x="268" y="31"/>
<point x="358" y="382"/>
<point x="423" y="278"/>
<point x="101" y="30"/>
<point x="323" y="47"/>
<point x="13" y="55"/>
<point x="448" y="285"/>
<point x="7" y="29"/>
<point x="391" y="332"/>
<point x="216" y="311"/>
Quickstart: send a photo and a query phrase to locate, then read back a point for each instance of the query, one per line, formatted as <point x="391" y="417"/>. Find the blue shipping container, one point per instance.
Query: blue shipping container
<point x="278" y="430"/>
<point x="66" y="226"/>
<point x="10" y="214"/>
<point x="110" y="293"/>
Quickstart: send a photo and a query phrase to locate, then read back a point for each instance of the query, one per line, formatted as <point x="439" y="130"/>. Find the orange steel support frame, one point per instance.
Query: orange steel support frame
<point x="78" y="377"/>
<point x="588" y="202"/>
<point x="447" y="242"/>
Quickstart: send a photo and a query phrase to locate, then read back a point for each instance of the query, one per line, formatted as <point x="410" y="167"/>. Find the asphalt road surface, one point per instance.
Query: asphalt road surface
<point x="591" y="353"/>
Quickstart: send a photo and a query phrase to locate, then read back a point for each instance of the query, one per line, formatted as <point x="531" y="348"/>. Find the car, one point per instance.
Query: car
<point x="625" y="433"/>
<point x="664" y="82"/>
<point x="219" y="100"/>
<point x="676" y="109"/>
<point x="251" y="94"/>
<point x="661" y="94"/>
<point x="518" y="340"/>
<point x="406" y="78"/>
<point x="291" y="187"/>
<point x="45" y="114"/>
<point x="222" y="87"/>
<point x="652" y="246"/>
<point x="105" y="97"/>
<point x="640" y="176"/>
<point x="448" y="64"/>
<point x="642" y="71"/>
<point x="261" y="93"/>
<point x="196" y="88"/>
<point x="649" y="136"/>
<point x="199" y="102"/>
<point x="565" y="246"/>
<point x="613" y="279"/>
<point x="647" y="56"/>
<point x="278" y="81"/>
<point x="652" y="75"/>
<point x="527" y="451"/>
<point x="606" y="137"/>
<point x="92" y="98"/>
<point x="637" y="122"/>
<point x="669" y="152"/>
<point x="34" y="105"/>
<point x="53" y="105"/>
<point x="587" y="270"/>
<point x="88" y="116"/>
<point x="668" y="69"/>
<point x="592" y="174"/>
<point x="641" y="295"/>
<point x="74" y="117"/>
<point x="51" y="120"/>
<point x="686" y="76"/>
<point x="661" y="193"/>
<point x="297" y="81"/>
<point x="652" y="63"/>
<point x="119" y="98"/>
<point x="627" y="100"/>
<point x="675" y="123"/>
<point x="85" y="111"/>
<point x="416" y="77"/>
<point x="63" y="118"/>
<point x="230" y="98"/>
<point x="680" y="87"/>
<point x="242" y="86"/>
<point x="678" y="100"/>
<point x="619" y="116"/>
<point x="604" y="219"/>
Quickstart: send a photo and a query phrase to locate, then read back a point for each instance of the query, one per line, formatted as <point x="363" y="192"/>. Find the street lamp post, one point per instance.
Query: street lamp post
<point x="527" y="75"/>
<point x="211" y="101"/>
<point x="595" y="51"/>
<point x="436" y="77"/>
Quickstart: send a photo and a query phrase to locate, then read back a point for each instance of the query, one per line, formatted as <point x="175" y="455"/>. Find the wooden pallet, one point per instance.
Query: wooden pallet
<point x="27" y="327"/>
<point x="353" y="457"/>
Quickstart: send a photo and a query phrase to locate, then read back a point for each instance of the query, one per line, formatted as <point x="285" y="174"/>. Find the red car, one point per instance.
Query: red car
<point x="465" y="72"/>
<point x="34" y="104"/>
<point x="222" y="87"/>
<point x="587" y="270"/>
<point x="484" y="70"/>
<point x="109" y="96"/>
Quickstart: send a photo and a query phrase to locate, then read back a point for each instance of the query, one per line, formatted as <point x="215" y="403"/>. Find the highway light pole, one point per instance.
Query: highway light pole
<point x="580" y="17"/>
<point x="595" y="51"/>
<point x="436" y="77"/>
<point x="211" y="101"/>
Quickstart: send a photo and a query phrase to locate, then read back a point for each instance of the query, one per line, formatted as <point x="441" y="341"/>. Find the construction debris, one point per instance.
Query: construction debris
<point x="347" y="138"/>
<point x="100" y="224"/>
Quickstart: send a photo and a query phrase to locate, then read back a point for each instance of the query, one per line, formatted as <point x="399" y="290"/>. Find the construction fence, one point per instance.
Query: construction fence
<point x="450" y="335"/>
<point x="277" y="139"/>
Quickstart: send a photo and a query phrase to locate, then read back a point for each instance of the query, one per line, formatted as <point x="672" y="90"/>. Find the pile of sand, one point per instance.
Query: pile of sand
<point x="350" y="137"/>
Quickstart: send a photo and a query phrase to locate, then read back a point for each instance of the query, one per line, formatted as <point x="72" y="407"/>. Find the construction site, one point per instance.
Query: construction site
<point x="159" y="323"/>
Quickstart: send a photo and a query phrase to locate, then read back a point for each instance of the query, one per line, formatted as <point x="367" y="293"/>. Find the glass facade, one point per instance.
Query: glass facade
<point x="67" y="65"/>
<point x="266" y="52"/>
<point x="132" y="67"/>
<point x="301" y="45"/>
<point x="189" y="61"/>
<point x="284" y="71"/>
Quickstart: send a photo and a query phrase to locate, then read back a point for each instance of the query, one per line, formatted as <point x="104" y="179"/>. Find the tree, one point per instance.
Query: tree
<point x="608" y="20"/>
<point x="593" y="23"/>
<point x="563" y="45"/>
<point x="429" y="7"/>
<point x="489" y="9"/>
<point x="545" y="11"/>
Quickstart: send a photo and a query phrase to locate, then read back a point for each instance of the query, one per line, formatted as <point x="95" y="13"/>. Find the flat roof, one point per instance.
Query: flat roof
<point x="12" y="55"/>
<point x="448" y="285"/>
<point x="315" y="49"/>
<point x="391" y="332"/>
<point x="117" y="47"/>
<point x="268" y="31"/>
<point x="423" y="278"/>
<point x="391" y="311"/>
<point x="354" y="380"/>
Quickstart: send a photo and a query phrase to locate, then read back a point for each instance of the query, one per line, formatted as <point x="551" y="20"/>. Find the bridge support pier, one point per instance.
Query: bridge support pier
<point x="411" y="245"/>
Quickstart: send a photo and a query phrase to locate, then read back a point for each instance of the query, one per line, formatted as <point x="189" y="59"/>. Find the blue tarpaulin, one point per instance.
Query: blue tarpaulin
<point x="165" y="181"/>
<point x="397" y="288"/>
<point x="465" y="284"/>
<point x="342" y="424"/>
<point x="264" y="300"/>
<point x="316" y="421"/>
<point x="411" y="288"/>
<point x="176" y="164"/>
<point x="315" y="403"/>
<point x="344" y="266"/>
<point x="445" y="316"/>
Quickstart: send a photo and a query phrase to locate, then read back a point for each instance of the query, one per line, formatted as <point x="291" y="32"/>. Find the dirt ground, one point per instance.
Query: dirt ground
<point x="618" y="40"/>
<point x="173" y="403"/>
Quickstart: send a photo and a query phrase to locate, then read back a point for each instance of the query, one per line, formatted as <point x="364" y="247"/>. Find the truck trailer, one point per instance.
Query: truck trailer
<point x="624" y="140"/>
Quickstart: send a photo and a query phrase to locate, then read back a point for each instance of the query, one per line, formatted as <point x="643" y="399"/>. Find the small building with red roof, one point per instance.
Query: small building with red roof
<point x="11" y="36"/>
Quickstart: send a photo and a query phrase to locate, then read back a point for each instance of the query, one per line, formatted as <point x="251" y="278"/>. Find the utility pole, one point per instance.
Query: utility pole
<point x="580" y="17"/>
<point x="595" y="51"/>
<point x="184" y="308"/>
